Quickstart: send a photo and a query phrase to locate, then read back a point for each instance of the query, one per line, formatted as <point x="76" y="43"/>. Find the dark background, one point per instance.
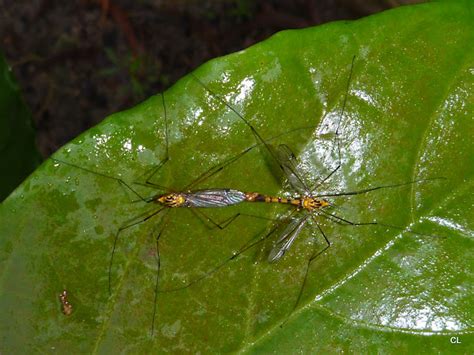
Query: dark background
<point x="79" y="61"/>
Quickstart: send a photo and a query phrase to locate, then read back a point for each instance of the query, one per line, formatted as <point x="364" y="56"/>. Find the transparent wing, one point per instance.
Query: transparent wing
<point x="287" y="237"/>
<point x="287" y="160"/>
<point x="214" y="198"/>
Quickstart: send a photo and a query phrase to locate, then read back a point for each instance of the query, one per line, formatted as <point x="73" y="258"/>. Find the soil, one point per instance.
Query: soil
<point x="79" y="61"/>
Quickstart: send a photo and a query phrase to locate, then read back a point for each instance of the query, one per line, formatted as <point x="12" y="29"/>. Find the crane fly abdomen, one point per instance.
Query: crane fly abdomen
<point x="202" y="198"/>
<point x="308" y="203"/>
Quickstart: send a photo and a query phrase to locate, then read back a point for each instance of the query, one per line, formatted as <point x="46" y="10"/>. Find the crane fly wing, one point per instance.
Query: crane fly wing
<point x="214" y="198"/>
<point x="287" y="160"/>
<point x="288" y="236"/>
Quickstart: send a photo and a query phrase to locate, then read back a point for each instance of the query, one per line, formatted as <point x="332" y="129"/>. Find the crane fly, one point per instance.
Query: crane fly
<point x="307" y="202"/>
<point x="189" y="197"/>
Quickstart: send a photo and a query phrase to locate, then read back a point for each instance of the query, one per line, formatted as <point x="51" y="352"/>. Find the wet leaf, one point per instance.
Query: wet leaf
<point x="408" y="116"/>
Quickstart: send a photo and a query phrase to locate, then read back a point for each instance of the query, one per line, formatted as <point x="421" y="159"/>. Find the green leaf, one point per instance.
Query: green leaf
<point x="377" y="289"/>
<point x="18" y="154"/>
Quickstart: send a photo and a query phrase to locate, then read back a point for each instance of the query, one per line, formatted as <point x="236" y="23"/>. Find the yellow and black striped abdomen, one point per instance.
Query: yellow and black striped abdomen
<point x="256" y="197"/>
<point x="308" y="203"/>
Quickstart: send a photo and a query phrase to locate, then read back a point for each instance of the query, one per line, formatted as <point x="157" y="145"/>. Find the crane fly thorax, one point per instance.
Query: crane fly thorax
<point x="253" y="197"/>
<point x="172" y="200"/>
<point x="311" y="203"/>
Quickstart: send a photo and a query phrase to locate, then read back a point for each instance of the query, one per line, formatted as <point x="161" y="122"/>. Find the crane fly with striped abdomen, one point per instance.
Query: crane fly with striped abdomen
<point x="189" y="198"/>
<point x="309" y="202"/>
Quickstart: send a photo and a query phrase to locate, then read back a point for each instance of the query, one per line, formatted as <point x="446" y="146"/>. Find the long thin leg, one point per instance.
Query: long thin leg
<point x="347" y="221"/>
<point x="164" y="223"/>
<point x="336" y="138"/>
<point x="155" y="170"/>
<point x="327" y="177"/>
<point x="243" y="249"/>
<point x="219" y="266"/>
<point x="277" y="226"/>
<point x="257" y="135"/>
<point x="120" y="181"/>
<point x="204" y="217"/>
<point x="328" y="243"/>
<point x="316" y="254"/>
<point x="343" y="109"/>
<point x="120" y="230"/>
<point x="364" y="191"/>
<point x="217" y="168"/>
<point x="150" y="176"/>
<point x="305" y="278"/>
<point x="333" y="220"/>
<point x="226" y="222"/>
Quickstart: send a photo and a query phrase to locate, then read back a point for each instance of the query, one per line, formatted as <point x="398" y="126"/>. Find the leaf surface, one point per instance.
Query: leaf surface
<point x="408" y="116"/>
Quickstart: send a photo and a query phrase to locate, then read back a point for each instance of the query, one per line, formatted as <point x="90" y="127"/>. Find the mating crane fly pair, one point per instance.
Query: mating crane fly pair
<point x="308" y="204"/>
